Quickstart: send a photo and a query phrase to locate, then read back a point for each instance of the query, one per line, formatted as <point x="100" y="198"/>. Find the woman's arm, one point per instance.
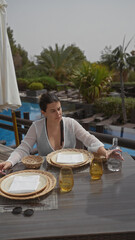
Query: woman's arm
<point x="93" y="143"/>
<point x="86" y="138"/>
<point x="25" y="147"/>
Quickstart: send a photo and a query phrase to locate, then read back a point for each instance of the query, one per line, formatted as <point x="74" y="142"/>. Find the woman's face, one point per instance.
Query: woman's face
<point x="53" y="112"/>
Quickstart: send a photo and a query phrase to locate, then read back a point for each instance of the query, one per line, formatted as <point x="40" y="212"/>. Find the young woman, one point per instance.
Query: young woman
<point x="53" y="132"/>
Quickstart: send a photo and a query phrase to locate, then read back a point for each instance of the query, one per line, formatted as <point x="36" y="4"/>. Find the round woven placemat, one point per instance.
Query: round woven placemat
<point x="23" y="194"/>
<point x="50" y="186"/>
<point x="69" y="165"/>
<point x="87" y="156"/>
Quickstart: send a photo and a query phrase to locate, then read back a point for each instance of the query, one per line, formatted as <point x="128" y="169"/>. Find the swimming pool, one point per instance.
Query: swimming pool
<point x="117" y="131"/>
<point x="7" y="135"/>
<point x="34" y="112"/>
<point x="121" y="132"/>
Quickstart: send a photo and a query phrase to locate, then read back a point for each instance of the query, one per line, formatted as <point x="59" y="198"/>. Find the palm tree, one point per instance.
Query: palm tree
<point x="120" y="60"/>
<point x="60" y="61"/>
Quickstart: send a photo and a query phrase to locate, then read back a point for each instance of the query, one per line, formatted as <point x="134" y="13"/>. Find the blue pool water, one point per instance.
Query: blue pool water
<point x="117" y="131"/>
<point x="34" y="112"/>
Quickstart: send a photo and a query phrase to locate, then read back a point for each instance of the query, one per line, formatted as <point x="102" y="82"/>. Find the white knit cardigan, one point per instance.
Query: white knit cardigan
<point x="37" y="134"/>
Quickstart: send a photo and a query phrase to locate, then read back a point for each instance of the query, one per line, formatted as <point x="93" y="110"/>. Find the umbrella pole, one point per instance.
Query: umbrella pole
<point x="15" y="129"/>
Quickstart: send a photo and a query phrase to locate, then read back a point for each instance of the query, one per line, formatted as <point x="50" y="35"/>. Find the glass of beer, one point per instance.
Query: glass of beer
<point x="66" y="180"/>
<point x="96" y="168"/>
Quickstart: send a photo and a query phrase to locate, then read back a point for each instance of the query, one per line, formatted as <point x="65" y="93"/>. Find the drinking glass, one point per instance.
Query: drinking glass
<point x="66" y="180"/>
<point x="96" y="168"/>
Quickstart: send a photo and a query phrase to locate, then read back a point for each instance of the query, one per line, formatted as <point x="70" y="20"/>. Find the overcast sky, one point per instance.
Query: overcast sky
<point x="89" y="24"/>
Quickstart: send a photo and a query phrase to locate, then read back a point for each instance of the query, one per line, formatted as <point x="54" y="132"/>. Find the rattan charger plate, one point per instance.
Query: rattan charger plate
<point x="52" y="157"/>
<point x="51" y="182"/>
<point x="7" y="181"/>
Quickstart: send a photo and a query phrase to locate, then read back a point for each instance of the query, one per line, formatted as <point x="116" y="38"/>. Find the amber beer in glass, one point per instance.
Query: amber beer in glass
<point x="96" y="168"/>
<point x="66" y="180"/>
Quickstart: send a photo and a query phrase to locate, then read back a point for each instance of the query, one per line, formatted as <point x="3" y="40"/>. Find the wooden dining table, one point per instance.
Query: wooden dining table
<point x="101" y="209"/>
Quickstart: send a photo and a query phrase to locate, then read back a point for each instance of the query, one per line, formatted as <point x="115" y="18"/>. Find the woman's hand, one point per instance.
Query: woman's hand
<point x="115" y="153"/>
<point x="4" y="166"/>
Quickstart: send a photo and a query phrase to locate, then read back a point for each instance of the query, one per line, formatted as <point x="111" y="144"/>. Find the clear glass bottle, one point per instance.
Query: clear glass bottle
<point x="114" y="164"/>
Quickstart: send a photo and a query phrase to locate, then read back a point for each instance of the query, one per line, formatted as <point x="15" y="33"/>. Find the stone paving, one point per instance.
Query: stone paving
<point x="70" y="95"/>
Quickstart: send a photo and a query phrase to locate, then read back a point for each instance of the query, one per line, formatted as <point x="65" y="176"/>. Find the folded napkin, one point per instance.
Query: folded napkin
<point x="24" y="184"/>
<point x="70" y="158"/>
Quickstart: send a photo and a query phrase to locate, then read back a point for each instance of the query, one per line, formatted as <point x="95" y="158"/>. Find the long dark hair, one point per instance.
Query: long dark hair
<point x="47" y="98"/>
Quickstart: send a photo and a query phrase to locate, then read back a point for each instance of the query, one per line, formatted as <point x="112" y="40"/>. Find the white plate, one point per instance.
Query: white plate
<point x="67" y="156"/>
<point x="7" y="181"/>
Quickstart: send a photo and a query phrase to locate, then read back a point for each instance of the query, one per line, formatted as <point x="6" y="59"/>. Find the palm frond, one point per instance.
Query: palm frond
<point x="128" y="43"/>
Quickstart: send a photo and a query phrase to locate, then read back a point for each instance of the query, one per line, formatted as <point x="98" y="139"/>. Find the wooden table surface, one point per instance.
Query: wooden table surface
<point x="5" y="152"/>
<point x="103" y="209"/>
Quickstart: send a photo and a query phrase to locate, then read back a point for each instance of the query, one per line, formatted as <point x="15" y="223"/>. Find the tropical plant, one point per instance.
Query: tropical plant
<point x="60" y="61"/>
<point x="92" y="80"/>
<point x="120" y="60"/>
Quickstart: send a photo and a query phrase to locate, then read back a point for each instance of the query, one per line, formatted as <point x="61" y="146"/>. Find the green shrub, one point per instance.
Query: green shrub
<point x="117" y="84"/>
<point x="36" y="86"/>
<point x="49" y="83"/>
<point x="22" y="84"/>
<point x="131" y="77"/>
<point x="112" y="105"/>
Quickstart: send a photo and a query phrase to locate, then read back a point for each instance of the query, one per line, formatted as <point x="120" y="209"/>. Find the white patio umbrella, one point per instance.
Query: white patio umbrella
<point x="9" y="94"/>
